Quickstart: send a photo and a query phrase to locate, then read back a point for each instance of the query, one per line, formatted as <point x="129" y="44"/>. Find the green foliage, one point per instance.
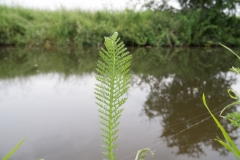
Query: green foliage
<point x="229" y="144"/>
<point x="237" y="70"/>
<point x="234" y="117"/>
<point x="114" y="82"/>
<point x="209" y="4"/>
<point x="31" y="28"/>
<point x="14" y="149"/>
<point x="221" y="5"/>
<point x="142" y="154"/>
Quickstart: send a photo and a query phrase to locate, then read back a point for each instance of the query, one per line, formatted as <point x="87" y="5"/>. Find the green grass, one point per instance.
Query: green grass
<point x="234" y="117"/>
<point x="14" y="149"/>
<point x="228" y="143"/>
<point x="44" y="28"/>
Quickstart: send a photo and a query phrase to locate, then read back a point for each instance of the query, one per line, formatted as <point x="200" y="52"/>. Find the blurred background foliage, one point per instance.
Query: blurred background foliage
<point x="199" y="25"/>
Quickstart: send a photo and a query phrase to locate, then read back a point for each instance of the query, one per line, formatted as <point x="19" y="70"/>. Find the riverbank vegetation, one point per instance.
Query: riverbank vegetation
<point x="232" y="117"/>
<point x="44" y="28"/>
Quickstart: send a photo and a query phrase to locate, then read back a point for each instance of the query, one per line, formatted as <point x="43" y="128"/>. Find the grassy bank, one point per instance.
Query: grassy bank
<point x="28" y="27"/>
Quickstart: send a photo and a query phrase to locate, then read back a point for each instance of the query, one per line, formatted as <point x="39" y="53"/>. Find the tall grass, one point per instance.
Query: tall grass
<point x="234" y="117"/>
<point x="14" y="149"/>
<point x="28" y="27"/>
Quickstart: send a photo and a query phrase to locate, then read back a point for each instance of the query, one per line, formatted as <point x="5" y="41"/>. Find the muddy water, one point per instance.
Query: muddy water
<point x="48" y="95"/>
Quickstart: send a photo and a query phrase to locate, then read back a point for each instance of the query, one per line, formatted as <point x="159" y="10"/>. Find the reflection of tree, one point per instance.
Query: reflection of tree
<point x="176" y="87"/>
<point x="180" y="101"/>
<point x="17" y="65"/>
<point x="177" y="79"/>
<point x="22" y="62"/>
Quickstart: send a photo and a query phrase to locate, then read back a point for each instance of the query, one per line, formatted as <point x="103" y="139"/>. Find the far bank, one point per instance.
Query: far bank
<point x="44" y="28"/>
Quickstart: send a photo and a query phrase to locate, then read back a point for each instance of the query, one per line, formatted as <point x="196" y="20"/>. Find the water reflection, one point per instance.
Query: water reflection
<point x="173" y="83"/>
<point x="23" y="62"/>
<point x="176" y="87"/>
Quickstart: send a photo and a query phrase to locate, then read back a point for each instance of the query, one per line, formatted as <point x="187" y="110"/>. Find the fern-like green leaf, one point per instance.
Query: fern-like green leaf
<point x="234" y="118"/>
<point x="114" y="80"/>
<point x="237" y="70"/>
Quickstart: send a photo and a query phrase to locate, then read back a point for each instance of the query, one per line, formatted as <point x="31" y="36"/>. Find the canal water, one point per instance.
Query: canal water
<point x="47" y="95"/>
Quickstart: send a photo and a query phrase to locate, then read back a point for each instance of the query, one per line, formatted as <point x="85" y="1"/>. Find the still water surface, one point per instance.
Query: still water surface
<point x="48" y="95"/>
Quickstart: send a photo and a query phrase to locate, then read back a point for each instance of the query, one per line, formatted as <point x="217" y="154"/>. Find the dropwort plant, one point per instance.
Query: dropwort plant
<point x="114" y="80"/>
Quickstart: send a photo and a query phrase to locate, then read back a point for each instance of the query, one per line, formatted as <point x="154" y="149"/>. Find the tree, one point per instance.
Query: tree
<point x="222" y="5"/>
<point x="229" y="6"/>
<point x="155" y="4"/>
